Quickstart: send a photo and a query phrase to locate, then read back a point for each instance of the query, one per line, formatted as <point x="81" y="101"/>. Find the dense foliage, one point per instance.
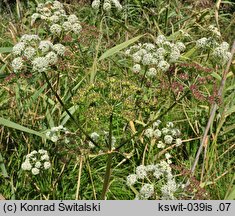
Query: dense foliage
<point x="109" y="99"/>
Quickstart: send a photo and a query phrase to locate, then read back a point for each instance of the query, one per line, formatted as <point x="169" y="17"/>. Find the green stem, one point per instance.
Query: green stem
<point x="107" y="176"/>
<point x="67" y="111"/>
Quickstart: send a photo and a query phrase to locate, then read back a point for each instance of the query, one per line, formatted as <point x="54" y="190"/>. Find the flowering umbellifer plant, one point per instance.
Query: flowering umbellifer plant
<point x="106" y="5"/>
<point x="36" y="162"/>
<point x="154" y="181"/>
<point x="54" y="17"/>
<point x="153" y="58"/>
<point x="33" y="53"/>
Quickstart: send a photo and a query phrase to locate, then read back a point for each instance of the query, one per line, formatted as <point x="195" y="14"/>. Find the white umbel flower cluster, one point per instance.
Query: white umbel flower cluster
<point x="219" y="51"/>
<point x="106" y="5"/>
<point x="38" y="54"/>
<point x="163" y="136"/>
<point x="53" y="15"/>
<point x="36" y="161"/>
<point x="215" y="31"/>
<point x="153" y="178"/>
<point x="54" y="134"/>
<point x="156" y="57"/>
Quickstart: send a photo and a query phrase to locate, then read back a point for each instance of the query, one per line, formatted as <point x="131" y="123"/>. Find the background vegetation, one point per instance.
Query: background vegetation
<point x="97" y="86"/>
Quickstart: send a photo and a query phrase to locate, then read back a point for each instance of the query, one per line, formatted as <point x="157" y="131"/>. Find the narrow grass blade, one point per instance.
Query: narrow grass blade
<point x="119" y="47"/>
<point x="16" y="126"/>
<point x="5" y="49"/>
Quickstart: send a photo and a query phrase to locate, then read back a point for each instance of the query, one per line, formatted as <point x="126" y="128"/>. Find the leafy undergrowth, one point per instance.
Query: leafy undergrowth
<point x="120" y="101"/>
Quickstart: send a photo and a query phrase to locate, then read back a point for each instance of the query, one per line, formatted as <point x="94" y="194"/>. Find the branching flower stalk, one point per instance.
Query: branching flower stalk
<point x="151" y="122"/>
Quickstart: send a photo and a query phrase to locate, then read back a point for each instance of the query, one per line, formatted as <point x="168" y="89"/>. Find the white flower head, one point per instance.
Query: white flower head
<point x="67" y="26"/>
<point x="45" y="157"/>
<point x="18" y="48"/>
<point x="202" y="42"/>
<point x="178" y="142"/>
<point x="29" y="52"/>
<point x="76" y="28"/>
<point x="52" y="58"/>
<point x="224" y="45"/>
<point x="35" y="171"/>
<point x="152" y="72"/>
<point x="40" y="64"/>
<point x="54" y="18"/>
<point x="149" y="133"/>
<point x="26" y="165"/>
<point x="107" y="6"/>
<point x="57" y="5"/>
<point x="163" y="65"/>
<point x="141" y="172"/>
<point x="180" y="46"/>
<point x="131" y="179"/>
<point x="174" y="56"/>
<point x="168" y="139"/>
<point x="56" y="29"/>
<point x="95" y="4"/>
<point x="95" y="136"/>
<point x="45" y="46"/>
<point x="43" y="152"/>
<point x="47" y="165"/>
<point x="160" y="40"/>
<point x="167" y="155"/>
<point x="147" y="59"/>
<point x="17" y="64"/>
<point x="73" y="19"/>
<point x="146" y="191"/>
<point x="117" y="5"/>
<point x="150" y="168"/>
<point x="165" y="131"/>
<point x="59" y="49"/>
<point x="29" y="38"/>
<point x="149" y="46"/>
<point x="136" y="57"/>
<point x="38" y="164"/>
<point x="157" y="133"/>
<point x="136" y="68"/>
<point x="156" y="124"/>
<point x="161" y="145"/>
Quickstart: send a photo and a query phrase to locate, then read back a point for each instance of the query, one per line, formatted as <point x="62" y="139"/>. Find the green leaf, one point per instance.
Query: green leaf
<point x="5" y="49"/>
<point x="188" y="54"/>
<point x="119" y="47"/>
<point x="217" y="76"/>
<point x="230" y="111"/>
<point x="3" y="68"/>
<point x="66" y="117"/>
<point x="231" y="195"/>
<point x="16" y="126"/>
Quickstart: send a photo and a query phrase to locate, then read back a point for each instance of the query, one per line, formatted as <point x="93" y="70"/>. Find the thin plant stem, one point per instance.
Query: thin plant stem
<point x="107" y="176"/>
<point x="79" y="177"/>
<point x="109" y="161"/>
